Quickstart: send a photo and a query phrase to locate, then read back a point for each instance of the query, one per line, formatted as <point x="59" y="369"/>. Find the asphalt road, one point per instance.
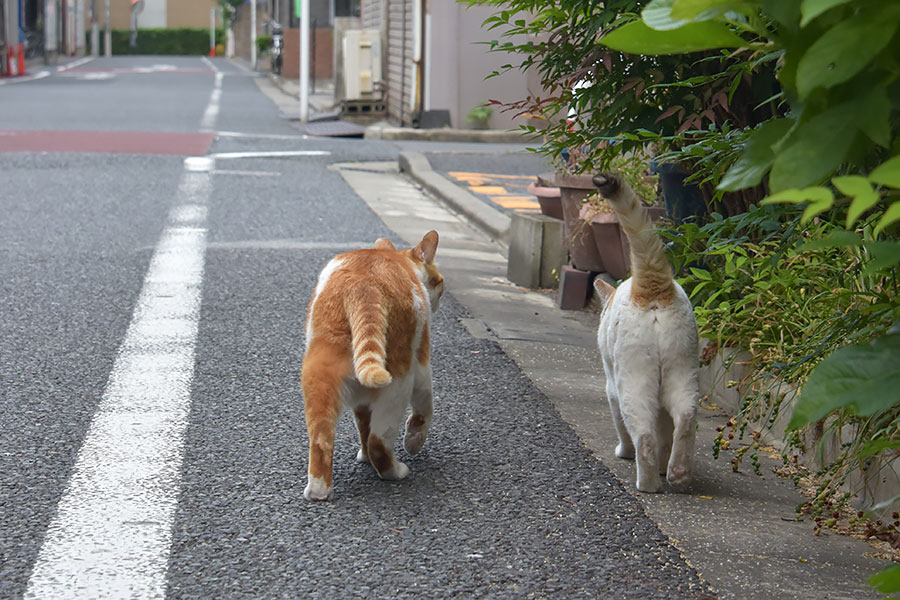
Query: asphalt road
<point x="504" y="501"/>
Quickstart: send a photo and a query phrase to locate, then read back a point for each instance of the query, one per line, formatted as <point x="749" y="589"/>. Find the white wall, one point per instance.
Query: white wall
<point x="458" y="65"/>
<point x="153" y="15"/>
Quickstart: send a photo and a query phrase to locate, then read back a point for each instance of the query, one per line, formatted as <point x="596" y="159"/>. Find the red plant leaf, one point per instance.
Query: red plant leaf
<point x="668" y="113"/>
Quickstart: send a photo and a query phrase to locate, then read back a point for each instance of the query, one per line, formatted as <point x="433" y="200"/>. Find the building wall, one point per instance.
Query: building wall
<point x="158" y="13"/>
<point x="181" y="13"/>
<point x="320" y="42"/>
<point x="457" y="64"/>
<point x="399" y="73"/>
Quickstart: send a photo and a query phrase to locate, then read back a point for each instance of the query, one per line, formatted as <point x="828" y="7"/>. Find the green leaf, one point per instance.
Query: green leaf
<point x="637" y="38"/>
<point x="842" y="51"/>
<point x="858" y="188"/>
<point x="701" y="273"/>
<point x="890" y="216"/>
<point x="878" y="446"/>
<point x="657" y="15"/>
<point x="813" y="8"/>
<point x="757" y="156"/>
<point x="887" y="173"/>
<point x="799" y="196"/>
<point x="887" y="580"/>
<point x="692" y="9"/>
<point x="815" y="148"/>
<point x="874" y="116"/>
<point x="864" y="378"/>
<point x="885" y="255"/>
<point x="836" y="239"/>
<point x="820" y="199"/>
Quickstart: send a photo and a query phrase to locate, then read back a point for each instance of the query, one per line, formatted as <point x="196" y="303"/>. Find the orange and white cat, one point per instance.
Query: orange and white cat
<point x="367" y="349"/>
<point x="648" y="340"/>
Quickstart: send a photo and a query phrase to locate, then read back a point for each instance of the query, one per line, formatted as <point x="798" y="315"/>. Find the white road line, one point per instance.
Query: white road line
<point x="212" y="108"/>
<point x="266" y="136"/>
<point x="247" y="173"/>
<point x="270" y="154"/>
<point x="75" y="63"/>
<point x="210" y="64"/>
<point x="24" y="78"/>
<point x="112" y="531"/>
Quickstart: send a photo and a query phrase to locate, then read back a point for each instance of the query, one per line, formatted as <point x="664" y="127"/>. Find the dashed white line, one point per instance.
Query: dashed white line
<point x="212" y="108"/>
<point x="112" y="531"/>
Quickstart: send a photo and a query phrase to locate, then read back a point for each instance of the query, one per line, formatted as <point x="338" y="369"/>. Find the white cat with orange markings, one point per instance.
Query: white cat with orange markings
<point x="648" y="341"/>
<point x="367" y="349"/>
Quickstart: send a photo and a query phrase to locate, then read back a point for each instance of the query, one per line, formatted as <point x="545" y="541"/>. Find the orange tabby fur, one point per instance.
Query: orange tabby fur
<point x="367" y="348"/>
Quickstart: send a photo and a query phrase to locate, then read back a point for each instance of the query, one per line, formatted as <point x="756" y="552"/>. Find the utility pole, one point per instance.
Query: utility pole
<point x="253" y="34"/>
<point x="95" y="30"/>
<point x="107" y="39"/>
<point x="303" y="14"/>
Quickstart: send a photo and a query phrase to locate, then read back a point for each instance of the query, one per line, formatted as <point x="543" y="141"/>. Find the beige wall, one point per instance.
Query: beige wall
<point x="179" y="13"/>
<point x="190" y="13"/>
<point x="458" y="66"/>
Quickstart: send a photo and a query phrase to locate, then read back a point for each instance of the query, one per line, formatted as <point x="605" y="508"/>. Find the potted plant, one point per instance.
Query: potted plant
<point x="479" y="116"/>
<point x="611" y="241"/>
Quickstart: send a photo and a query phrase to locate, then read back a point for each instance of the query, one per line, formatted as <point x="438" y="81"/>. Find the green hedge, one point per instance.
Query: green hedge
<point x="185" y="41"/>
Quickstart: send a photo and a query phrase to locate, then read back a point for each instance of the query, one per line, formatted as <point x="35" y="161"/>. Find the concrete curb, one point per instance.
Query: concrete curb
<point x="491" y="221"/>
<point x="445" y="134"/>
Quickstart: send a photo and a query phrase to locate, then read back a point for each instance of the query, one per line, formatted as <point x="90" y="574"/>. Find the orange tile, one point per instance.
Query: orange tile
<point x="488" y="190"/>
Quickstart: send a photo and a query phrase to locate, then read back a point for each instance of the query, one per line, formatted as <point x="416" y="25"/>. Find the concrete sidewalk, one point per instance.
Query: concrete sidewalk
<point x="738" y="530"/>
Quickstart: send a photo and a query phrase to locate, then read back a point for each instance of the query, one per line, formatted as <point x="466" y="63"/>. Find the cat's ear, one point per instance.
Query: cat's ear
<point x="428" y="247"/>
<point x="604" y="290"/>
<point x="384" y="244"/>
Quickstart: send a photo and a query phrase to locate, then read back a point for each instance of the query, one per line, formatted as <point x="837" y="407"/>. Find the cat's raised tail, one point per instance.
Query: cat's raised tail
<point x="651" y="273"/>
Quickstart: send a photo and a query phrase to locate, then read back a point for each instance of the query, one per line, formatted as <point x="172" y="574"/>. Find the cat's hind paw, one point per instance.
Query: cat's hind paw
<point x="413" y="442"/>
<point x="362" y="457"/>
<point x="679" y="475"/>
<point x="397" y="471"/>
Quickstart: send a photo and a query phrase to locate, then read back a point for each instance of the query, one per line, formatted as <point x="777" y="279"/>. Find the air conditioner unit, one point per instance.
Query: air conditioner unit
<point x="362" y="64"/>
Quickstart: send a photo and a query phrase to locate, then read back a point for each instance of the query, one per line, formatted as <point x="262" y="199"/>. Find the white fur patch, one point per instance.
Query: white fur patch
<point x="332" y="266"/>
<point x="317" y="490"/>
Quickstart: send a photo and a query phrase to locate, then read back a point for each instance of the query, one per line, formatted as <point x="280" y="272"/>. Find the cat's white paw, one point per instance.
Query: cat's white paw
<point x="316" y="489"/>
<point x="397" y="471"/>
<point x="649" y="485"/>
<point x="413" y="442"/>
<point x="679" y="475"/>
<point x="625" y="452"/>
<point x="361" y="457"/>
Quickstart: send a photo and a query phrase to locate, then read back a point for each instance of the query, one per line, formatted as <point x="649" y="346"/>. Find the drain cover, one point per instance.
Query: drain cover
<point x="333" y="129"/>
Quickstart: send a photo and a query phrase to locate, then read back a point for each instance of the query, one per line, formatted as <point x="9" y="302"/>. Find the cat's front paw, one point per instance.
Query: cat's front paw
<point x="623" y="451"/>
<point x="413" y="442"/>
<point x="362" y="457"/>
<point x="317" y="489"/>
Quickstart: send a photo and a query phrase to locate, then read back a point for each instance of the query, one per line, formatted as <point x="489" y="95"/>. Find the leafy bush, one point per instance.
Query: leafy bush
<point x="185" y="41"/>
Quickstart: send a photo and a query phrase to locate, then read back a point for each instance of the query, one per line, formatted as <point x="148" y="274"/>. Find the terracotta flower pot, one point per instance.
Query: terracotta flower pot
<point x="579" y="235"/>
<point x="548" y="198"/>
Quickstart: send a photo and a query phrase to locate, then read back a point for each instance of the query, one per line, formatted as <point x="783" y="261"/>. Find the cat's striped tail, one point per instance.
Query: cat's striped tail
<point x="368" y="327"/>
<point x="652" y="278"/>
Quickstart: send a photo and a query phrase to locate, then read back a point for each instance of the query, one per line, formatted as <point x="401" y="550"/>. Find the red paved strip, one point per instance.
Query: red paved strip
<point x="115" y="142"/>
<point x="138" y="70"/>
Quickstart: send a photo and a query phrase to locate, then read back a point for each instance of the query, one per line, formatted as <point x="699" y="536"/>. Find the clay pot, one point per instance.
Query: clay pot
<point x="579" y="234"/>
<point x="611" y="241"/>
<point x="548" y="198"/>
